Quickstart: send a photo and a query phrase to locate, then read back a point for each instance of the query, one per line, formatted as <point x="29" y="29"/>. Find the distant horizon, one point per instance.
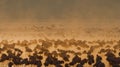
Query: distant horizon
<point x="96" y="11"/>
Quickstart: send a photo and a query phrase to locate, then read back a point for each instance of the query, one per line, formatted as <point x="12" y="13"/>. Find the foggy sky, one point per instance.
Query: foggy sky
<point x="100" y="10"/>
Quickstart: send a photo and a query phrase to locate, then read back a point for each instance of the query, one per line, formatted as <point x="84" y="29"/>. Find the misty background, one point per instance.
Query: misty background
<point x="81" y="19"/>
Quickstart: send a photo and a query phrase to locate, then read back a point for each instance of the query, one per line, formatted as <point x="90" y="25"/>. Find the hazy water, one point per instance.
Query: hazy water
<point x="60" y="30"/>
